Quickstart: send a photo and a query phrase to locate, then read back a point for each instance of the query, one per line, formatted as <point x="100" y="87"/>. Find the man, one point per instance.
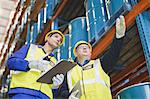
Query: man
<point x="94" y="82"/>
<point x="28" y="63"/>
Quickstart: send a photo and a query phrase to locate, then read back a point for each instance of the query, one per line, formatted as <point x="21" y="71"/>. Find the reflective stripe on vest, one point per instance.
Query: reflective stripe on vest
<point x="94" y="81"/>
<point x="33" y="50"/>
<point x="98" y="78"/>
<point x="70" y="85"/>
<point x="25" y="80"/>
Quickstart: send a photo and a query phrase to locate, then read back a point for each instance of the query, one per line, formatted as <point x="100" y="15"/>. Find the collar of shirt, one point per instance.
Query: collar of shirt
<point x="40" y="46"/>
<point x="85" y="62"/>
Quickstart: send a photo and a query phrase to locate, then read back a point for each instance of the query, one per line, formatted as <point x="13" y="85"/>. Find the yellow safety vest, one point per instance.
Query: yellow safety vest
<point x="95" y="83"/>
<point x="28" y="79"/>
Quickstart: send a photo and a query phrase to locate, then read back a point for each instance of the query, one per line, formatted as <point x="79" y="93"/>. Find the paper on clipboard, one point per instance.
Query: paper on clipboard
<point x="75" y="88"/>
<point x="61" y="67"/>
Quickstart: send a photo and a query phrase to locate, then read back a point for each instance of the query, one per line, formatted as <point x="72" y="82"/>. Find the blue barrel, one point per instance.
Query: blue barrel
<point x="78" y="31"/>
<point x="28" y="37"/>
<point x="49" y="8"/>
<point x="115" y="5"/>
<point x="138" y="91"/>
<point x="55" y="52"/>
<point x="54" y="25"/>
<point x="64" y="49"/>
<point x="95" y="16"/>
<point x="35" y="32"/>
<point x="41" y="19"/>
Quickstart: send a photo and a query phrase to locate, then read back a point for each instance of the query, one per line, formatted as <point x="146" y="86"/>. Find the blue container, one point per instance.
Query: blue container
<point x="115" y="5"/>
<point x="54" y="25"/>
<point x="64" y="49"/>
<point x="28" y="37"/>
<point x="78" y="31"/>
<point x="91" y="4"/>
<point x="41" y="19"/>
<point x="35" y="32"/>
<point x="55" y="52"/>
<point x="49" y="8"/>
<point x="138" y="91"/>
<point x="95" y="16"/>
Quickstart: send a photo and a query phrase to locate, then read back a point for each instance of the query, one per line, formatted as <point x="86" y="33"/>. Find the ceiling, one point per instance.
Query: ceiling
<point x="7" y="9"/>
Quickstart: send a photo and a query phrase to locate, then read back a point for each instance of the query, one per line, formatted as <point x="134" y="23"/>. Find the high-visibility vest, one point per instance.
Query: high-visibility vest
<point x="28" y="79"/>
<point x="95" y="83"/>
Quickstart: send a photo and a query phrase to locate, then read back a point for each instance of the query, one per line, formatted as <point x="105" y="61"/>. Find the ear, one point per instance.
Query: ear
<point x="46" y="40"/>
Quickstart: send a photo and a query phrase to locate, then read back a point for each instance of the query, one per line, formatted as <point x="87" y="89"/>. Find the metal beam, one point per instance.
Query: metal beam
<point x="142" y="77"/>
<point x="17" y="9"/>
<point x="129" y="69"/>
<point x="143" y="24"/>
<point x="4" y="42"/>
<point x="131" y="77"/>
<point x="100" y="47"/>
<point x="21" y="15"/>
<point x="38" y="5"/>
<point x="27" y="3"/>
<point x="9" y="45"/>
<point x="14" y="32"/>
<point x="22" y="37"/>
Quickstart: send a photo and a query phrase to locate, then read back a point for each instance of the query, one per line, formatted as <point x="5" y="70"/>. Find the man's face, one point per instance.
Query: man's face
<point x="54" y="40"/>
<point x="83" y="50"/>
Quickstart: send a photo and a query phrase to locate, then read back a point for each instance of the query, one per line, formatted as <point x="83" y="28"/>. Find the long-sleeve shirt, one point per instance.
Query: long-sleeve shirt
<point x="17" y="62"/>
<point x="110" y="58"/>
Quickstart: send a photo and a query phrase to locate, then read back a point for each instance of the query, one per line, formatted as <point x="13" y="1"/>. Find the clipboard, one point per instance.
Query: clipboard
<point x="77" y="87"/>
<point x="61" y="67"/>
